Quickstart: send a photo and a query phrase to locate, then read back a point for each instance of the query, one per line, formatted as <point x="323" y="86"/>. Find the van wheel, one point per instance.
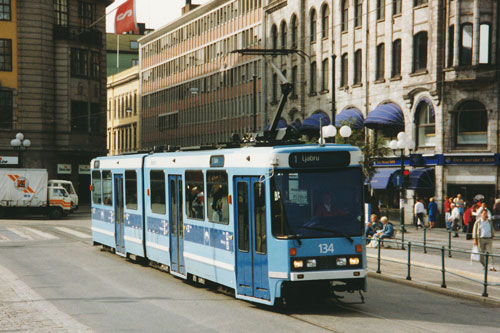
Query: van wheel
<point x="55" y="213"/>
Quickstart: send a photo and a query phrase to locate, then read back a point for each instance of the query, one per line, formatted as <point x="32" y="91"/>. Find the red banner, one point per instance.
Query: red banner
<point x="125" y="18"/>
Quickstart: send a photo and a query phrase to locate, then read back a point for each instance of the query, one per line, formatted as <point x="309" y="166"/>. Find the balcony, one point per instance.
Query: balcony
<point x="90" y="37"/>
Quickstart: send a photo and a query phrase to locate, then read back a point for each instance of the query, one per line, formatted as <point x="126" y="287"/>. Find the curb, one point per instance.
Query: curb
<point x="493" y="302"/>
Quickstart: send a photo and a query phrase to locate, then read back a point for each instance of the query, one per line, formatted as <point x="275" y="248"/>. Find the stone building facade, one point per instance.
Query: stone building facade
<point x="434" y="62"/>
<point x="59" y="102"/>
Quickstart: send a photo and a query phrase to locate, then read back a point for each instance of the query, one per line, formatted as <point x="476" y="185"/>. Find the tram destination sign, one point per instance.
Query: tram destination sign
<point x="319" y="159"/>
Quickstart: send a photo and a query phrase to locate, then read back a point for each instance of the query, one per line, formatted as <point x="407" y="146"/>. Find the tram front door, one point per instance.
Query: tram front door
<point x="119" y="215"/>
<point x="251" y="254"/>
<point x="176" y="225"/>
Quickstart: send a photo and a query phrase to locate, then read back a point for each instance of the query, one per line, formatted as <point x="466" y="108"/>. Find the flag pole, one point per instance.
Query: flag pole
<point x="117" y="53"/>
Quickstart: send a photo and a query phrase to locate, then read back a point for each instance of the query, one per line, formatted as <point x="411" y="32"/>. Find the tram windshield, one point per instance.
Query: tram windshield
<point x="317" y="204"/>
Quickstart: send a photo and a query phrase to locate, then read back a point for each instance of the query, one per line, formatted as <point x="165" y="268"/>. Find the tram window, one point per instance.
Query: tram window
<point x="131" y="189"/>
<point x="195" y="195"/>
<point x="96" y="185"/>
<point x="107" y="188"/>
<point x="157" y="181"/>
<point x="260" y="217"/>
<point x="218" y="208"/>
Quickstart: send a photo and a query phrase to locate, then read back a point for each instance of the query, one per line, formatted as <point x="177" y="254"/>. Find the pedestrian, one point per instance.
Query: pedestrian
<point x="447" y="211"/>
<point x="481" y="209"/>
<point x="460" y="203"/>
<point x="483" y="234"/>
<point x="455" y="219"/>
<point x="468" y="220"/>
<point x="376" y="224"/>
<point x="419" y="211"/>
<point x="432" y="212"/>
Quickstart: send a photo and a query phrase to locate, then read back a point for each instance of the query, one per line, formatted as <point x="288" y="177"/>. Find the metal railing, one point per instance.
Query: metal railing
<point x="443" y="250"/>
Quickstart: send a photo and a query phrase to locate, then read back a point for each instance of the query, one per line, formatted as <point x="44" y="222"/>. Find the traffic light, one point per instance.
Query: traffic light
<point x="406" y="178"/>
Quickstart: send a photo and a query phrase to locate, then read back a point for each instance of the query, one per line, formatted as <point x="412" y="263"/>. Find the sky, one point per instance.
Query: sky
<point x="155" y="13"/>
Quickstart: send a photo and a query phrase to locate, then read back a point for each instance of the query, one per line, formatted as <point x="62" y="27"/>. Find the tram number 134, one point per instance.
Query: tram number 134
<point x="325" y="248"/>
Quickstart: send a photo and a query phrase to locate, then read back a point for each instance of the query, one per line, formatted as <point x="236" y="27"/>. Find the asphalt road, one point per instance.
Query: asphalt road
<point x="53" y="268"/>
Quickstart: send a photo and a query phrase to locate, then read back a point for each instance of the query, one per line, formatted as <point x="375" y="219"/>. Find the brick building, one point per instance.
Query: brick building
<point x="54" y="92"/>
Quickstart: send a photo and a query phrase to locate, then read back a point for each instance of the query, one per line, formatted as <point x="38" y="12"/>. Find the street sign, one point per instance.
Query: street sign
<point x="397" y="180"/>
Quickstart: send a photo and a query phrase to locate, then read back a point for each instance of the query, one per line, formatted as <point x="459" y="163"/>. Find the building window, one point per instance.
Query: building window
<point x="95" y="118"/>
<point x="312" y="25"/>
<point x="466" y="45"/>
<point x="324" y="75"/>
<point x="5" y="13"/>
<point x="419" y="2"/>
<point x="274" y="37"/>
<point x="357" y="67"/>
<point x="86" y="13"/>
<point x="61" y="9"/>
<point x="294" y="27"/>
<point x="472" y="124"/>
<point x="426" y="128"/>
<point x="94" y="65"/>
<point x="294" y="80"/>
<point x="344" y="75"/>
<point x="312" y="77"/>
<point x="380" y="9"/>
<point x="168" y="121"/>
<point x="79" y="63"/>
<point x="5" y="55"/>
<point x="345" y="15"/>
<point x="484" y="43"/>
<point x="6" y="109"/>
<point x="283" y="34"/>
<point x="451" y="45"/>
<point x="396" y="7"/>
<point x="358" y="14"/>
<point x="135" y="62"/>
<point x="134" y="45"/>
<point x="324" y="21"/>
<point x="420" y="51"/>
<point x="79" y="116"/>
<point x="380" y="62"/>
<point x="396" y="58"/>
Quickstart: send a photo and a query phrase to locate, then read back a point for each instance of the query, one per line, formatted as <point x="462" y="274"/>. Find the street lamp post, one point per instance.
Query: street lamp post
<point x="19" y="144"/>
<point x="402" y="143"/>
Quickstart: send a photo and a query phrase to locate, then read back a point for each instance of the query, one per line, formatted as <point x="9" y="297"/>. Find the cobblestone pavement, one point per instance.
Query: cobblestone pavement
<point x="22" y="309"/>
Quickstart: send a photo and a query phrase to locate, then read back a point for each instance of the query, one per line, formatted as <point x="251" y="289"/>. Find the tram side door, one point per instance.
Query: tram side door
<point x="119" y="214"/>
<point x="250" y="223"/>
<point x="176" y="225"/>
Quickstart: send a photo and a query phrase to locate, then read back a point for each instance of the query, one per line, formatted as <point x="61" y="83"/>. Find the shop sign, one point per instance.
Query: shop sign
<point x="64" y="169"/>
<point x="471" y="160"/>
<point x="84" y="169"/>
<point x="7" y="160"/>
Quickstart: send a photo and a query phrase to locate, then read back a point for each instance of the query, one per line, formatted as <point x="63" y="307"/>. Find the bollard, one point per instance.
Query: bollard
<point x="408" y="276"/>
<point x="449" y="244"/>
<point x="378" y="257"/>
<point x="425" y="240"/>
<point x="485" y="283"/>
<point x="443" y="281"/>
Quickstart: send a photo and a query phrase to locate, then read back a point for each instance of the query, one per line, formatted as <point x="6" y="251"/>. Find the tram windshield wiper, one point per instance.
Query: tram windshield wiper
<point x="334" y="232"/>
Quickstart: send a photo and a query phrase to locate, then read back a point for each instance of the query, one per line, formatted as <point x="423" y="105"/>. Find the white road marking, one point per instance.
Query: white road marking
<point x="41" y="233"/>
<point x="20" y="233"/>
<point x="73" y="232"/>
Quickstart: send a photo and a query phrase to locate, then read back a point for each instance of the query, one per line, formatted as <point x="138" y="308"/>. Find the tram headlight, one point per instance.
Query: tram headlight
<point x="353" y="261"/>
<point x="341" y="261"/>
<point x="311" y="263"/>
<point x="298" y="264"/>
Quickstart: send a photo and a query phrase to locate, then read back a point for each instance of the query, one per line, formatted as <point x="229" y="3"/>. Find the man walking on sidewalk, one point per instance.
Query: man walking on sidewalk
<point x="483" y="234"/>
<point x="419" y="213"/>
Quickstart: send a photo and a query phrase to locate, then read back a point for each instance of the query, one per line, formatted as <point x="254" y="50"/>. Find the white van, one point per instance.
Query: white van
<point x="68" y="185"/>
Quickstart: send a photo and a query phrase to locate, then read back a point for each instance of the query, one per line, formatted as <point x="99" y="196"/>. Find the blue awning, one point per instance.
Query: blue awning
<point x="385" y="115"/>
<point x="428" y="101"/>
<point x="381" y="177"/>
<point x="421" y="179"/>
<point x="312" y="123"/>
<point x="281" y="124"/>
<point x="352" y="116"/>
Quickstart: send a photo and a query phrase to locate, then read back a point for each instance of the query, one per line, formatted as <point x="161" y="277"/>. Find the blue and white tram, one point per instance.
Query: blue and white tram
<point x="264" y="221"/>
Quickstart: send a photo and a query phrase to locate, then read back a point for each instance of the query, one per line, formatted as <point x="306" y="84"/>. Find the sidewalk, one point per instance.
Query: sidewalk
<point x="462" y="277"/>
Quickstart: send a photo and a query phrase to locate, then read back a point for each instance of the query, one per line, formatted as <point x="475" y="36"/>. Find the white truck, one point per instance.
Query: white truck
<point x="27" y="191"/>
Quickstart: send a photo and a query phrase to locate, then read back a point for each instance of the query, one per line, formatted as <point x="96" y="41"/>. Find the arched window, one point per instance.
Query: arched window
<point x="283" y="34"/>
<point x="295" y="31"/>
<point x="274" y="37"/>
<point x="358" y="12"/>
<point x="324" y="75"/>
<point x="345" y="15"/>
<point x="312" y="25"/>
<point x="484" y="43"/>
<point x="324" y="21"/>
<point x="344" y="75"/>
<point x="466" y="45"/>
<point x="357" y="67"/>
<point x="380" y="61"/>
<point x="380" y="9"/>
<point x="472" y="124"/>
<point x="420" y="51"/>
<point x="426" y="127"/>
<point x="396" y="58"/>
<point x="312" y="78"/>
